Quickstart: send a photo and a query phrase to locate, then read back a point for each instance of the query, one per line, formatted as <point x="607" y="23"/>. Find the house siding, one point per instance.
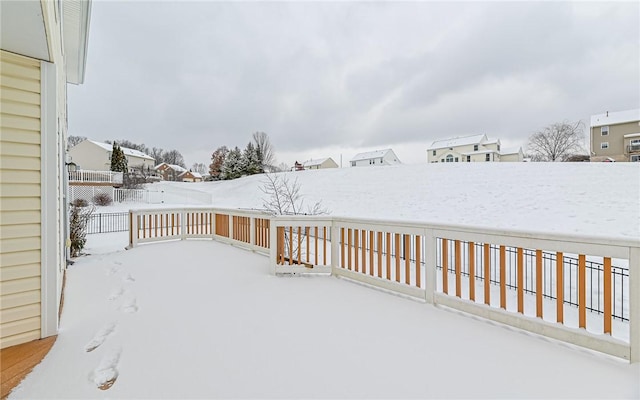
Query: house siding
<point x="617" y="143"/>
<point x="20" y="198"/>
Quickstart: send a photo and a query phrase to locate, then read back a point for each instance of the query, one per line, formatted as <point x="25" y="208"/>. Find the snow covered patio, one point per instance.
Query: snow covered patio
<point x="204" y="319"/>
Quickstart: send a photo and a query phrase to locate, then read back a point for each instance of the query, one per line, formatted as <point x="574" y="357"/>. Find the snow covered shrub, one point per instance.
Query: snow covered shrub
<point x="78" y="228"/>
<point x="102" y="199"/>
<point x="80" y="203"/>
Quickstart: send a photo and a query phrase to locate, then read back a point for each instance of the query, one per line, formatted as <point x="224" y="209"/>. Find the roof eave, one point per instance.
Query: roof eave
<point x="77" y="17"/>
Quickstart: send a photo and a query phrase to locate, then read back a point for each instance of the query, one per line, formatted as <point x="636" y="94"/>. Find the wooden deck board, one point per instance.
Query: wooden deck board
<point x="17" y="361"/>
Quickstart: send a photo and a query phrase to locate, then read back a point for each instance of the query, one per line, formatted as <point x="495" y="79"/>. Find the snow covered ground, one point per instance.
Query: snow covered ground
<point x="200" y="319"/>
<point x="599" y="199"/>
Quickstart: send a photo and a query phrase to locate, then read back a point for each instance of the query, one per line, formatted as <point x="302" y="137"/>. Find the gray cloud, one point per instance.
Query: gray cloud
<point x="195" y="76"/>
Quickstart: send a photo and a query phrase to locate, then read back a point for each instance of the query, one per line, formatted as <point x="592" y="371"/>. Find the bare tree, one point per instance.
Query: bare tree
<point x="557" y="142"/>
<point x="264" y="148"/>
<point x="74" y="140"/>
<point x="173" y="157"/>
<point x="199" y="168"/>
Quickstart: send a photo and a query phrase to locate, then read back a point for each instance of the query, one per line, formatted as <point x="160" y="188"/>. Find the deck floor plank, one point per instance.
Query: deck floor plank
<point x="17" y="361"/>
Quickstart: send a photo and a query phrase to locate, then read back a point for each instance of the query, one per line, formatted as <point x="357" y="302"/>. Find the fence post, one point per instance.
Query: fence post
<point x="252" y="231"/>
<point x="183" y="221"/>
<point x="634" y="304"/>
<point x="335" y="245"/>
<point x="133" y="230"/>
<point x="273" y="250"/>
<point x="430" y="255"/>
<point x="230" y="226"/>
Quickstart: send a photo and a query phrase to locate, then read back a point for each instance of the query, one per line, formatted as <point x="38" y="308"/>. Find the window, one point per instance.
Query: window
<point x="604" y="131"/>
<point x="604" y="145"/>
<point x="456" y="159"/>
<point x="475" y="147"/>
<point x="498" y="147"/>
<point x="468" y="158"/>
<point x="635" y="158"/>
<point x="109" y="155"/>
<point x="487" y="157"/>
<point x="449" y="158"/>
<point x="442" y="160"/>
<point x="434" y="152"/>
<point x="353" y="163"/>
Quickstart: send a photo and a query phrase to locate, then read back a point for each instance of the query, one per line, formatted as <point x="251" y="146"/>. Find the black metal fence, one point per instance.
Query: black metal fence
<point x="108" y="222"/>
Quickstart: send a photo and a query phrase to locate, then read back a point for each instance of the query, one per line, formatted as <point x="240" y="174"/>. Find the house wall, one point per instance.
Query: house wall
<point x="515" y="157"/>
<point x="20" y="191"/>
<point x="90" y="157"/>
<point x="617" y="143"/>
<point x="456" y="152"/>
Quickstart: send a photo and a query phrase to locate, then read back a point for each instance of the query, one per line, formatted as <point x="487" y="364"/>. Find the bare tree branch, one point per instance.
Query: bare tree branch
<point x="557" y="142"/>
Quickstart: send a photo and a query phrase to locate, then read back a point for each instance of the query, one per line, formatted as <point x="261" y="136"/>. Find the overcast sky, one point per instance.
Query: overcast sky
<point x="333" y="79"/>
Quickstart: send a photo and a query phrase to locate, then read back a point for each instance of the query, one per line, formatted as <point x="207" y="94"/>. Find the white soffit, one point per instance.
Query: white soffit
<point x="76" y="16"/>
<point x="22" y="29"/>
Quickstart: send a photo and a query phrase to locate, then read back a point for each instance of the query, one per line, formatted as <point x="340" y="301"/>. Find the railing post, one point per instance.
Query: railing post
<point x="273" y="241"/>
<point x="335" y="245"/>
<point x="183" y="224"/>
<point x="252" y="231"/>
<point x="230" y="226"/>
<point x="634" y="304"/>
<point x="430" y="256"/>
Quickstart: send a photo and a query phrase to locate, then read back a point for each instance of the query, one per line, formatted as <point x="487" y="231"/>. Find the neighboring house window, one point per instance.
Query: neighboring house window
<point x="487" y="157"/>
<point x="634" y="145"/>
<point x="109" y="155"/>
<point x="498" y="147"/>
<point x="449" y="158"/>
<point x="456" y="159"/>
<point x="468" y="158"/>
<point x="604" y="145"/>
<point x="604" y="131"/>
<point x="635" y="158"/>
<point x="434" y="152"/>
<point x="353" y="163"/>
<point x="475" y="147"/>
<point x="442" y="160"/>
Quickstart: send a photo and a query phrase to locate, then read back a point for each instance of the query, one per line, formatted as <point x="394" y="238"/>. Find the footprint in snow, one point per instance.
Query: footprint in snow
<point x="105" y="375"/>
<point x="100" y="337"/>
<point x="129" y="278"/>
<point x="115" y="294"/>
<point x="130" y="307"/>
<point x="112" y="270"/>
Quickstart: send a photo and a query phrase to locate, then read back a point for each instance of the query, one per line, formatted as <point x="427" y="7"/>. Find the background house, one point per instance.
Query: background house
<point x="615" y="136"/>
<point x="43" y="47"/>
<point x="320" y="163"/>
<point x="189" y="176"/>
<point x="473" y="148"/>
<point x="169" y="172"/>
<point x="378" y="157"/>
<point x="96" y="156"/>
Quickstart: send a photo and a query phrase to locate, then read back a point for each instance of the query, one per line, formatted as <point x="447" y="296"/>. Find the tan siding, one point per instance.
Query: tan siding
<point x="23" y="258"/>
<point x="19" y="149"/>
<point x="19" y="176"/>
<point x="20" y="299"/>
<point x="20" y="272"/>
<point x="20" y="96"/>
<point x="18" y="204"/>
<point x="8" y="341"/>
<point x="20" y="201"/>
<point x="19" y="231"/>
<point x="21" y="331"/>
<point x="19" y="244"/>
<point x="19" y="217"/>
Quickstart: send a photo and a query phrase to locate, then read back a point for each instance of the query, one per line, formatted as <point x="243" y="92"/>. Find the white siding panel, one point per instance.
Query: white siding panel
<point x="20" y="204"/>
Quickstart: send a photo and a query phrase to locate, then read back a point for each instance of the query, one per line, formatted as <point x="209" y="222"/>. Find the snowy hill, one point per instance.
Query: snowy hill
<point x="599" y="199"/>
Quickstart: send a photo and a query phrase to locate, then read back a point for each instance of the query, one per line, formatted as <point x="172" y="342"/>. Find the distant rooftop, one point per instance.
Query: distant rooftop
<point x="458" y="141"/>
<point x="127" y="151"/>
<point x="370" y="154"/>
<point x="616" y="117"/>
<point x="313" y="163"/>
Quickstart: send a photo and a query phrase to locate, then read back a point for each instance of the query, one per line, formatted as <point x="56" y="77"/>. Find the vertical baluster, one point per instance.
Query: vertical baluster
<point x="539" y="279"/>
<point x="582" y="289"/>
<point x="356" y="251"/>
<point x="388" y="242"/>
<point x="458" y="267"/>
<point x="397" y="254"/>
<point x="503" y="277"/>
<point x="472" y="271"/>
<point x="418" y="262"/>
<point x="520" y="277"/>
<point x="487" y="273"/>
<point x="445" y="266"/>
<point x="407" y="259"/>
<point x="371" y="244"/>
<point x="379" y="246"/>
<point x="607" y="295"/>
<point x="364" y="251"/>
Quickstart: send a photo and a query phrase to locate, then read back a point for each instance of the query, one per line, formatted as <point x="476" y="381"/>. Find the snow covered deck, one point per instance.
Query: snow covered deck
<point x="204" y="319"/>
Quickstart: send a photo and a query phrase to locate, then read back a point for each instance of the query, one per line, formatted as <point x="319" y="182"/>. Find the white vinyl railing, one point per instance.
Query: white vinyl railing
<point x="95" y="176"/>
<point x="578" y="289"/>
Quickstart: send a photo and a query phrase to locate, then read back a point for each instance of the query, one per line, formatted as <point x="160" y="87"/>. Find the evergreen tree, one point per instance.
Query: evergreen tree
<point x="118" y="160"/>
<point x="232" y="167"/>
<point x="251" y="164"/>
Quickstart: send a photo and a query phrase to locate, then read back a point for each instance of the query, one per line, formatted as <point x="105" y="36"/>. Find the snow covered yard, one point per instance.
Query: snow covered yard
<point x="201" y="319"/>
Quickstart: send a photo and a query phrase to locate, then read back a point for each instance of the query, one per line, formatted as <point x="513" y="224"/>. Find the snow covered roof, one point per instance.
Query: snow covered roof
<point x="127" y="151"/>
<point x="194" y="174"/>
<point x="370" y="154"/>
<point x="174" y="167"/>
<point x="312" y="163"/>
<point x="612" y="118"/>
<point x="512" y="150"/>
<point x="458" y="141"/>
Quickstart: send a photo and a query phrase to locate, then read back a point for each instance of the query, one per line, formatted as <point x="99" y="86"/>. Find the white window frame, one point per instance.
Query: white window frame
<point x="604" y="145"/>
<point x="449" y="158"/>
<point x="604" y="130"/>
<point x="634" y="142"/>
<point x="636" y="157"/>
